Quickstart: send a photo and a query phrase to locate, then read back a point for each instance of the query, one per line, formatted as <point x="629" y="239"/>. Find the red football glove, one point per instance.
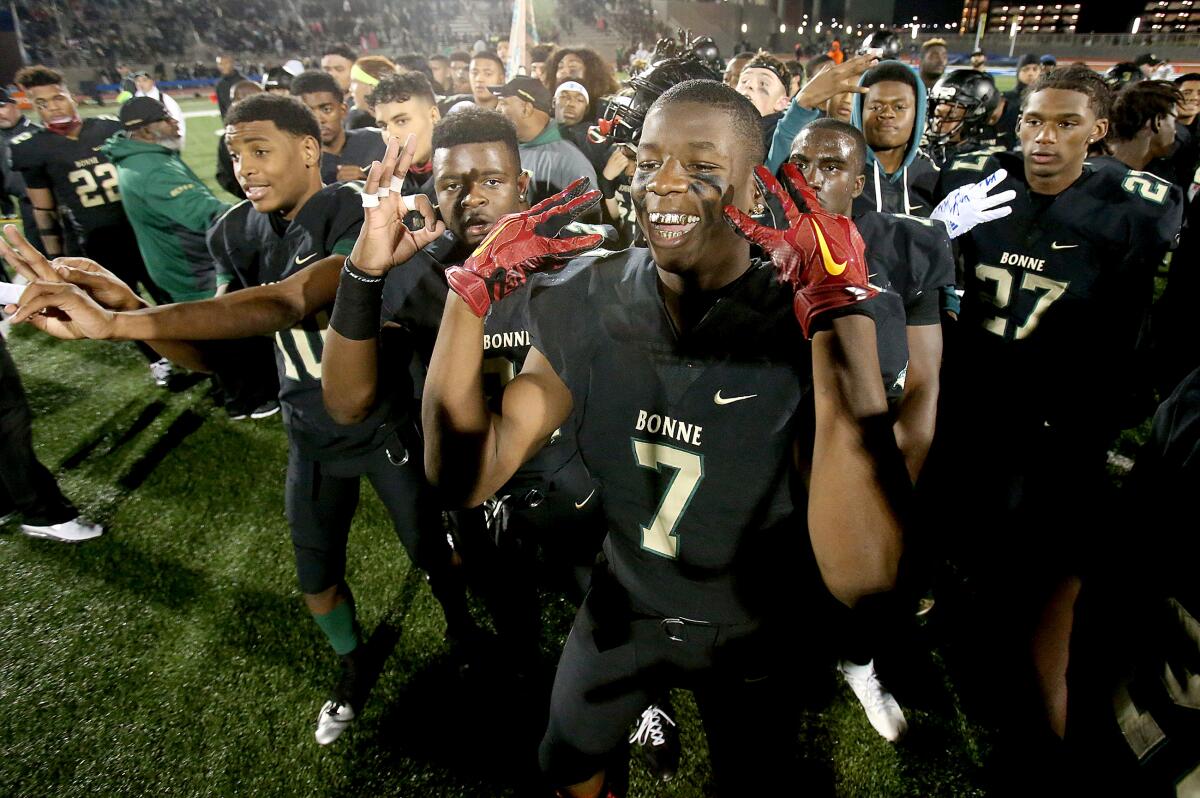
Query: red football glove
<point x="820" y="254"/>
<point x="522" y="243"/>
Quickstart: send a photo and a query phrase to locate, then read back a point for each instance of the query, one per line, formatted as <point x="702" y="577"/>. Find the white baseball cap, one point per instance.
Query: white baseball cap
<point x="572" y="85"/>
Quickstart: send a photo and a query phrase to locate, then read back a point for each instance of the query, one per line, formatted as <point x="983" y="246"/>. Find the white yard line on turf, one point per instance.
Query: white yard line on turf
<point x="190" y="114"/>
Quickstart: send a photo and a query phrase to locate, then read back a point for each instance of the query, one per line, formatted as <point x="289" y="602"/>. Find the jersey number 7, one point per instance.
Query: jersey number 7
<point x="661" y="535"/>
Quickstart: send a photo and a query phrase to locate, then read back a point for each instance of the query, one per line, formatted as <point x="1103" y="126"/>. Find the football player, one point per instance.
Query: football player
<point x="550" y="502"/>
<point x="1055" y="298"/>
<point x="345" y="154"/>
<point x="1142" y="128"/>
<point x="290" y="239"/>
<point x="963" y="105"/>
<point x="910" y="261"/>
<point x="688" y="370"/>
<point x="405" y="105"/>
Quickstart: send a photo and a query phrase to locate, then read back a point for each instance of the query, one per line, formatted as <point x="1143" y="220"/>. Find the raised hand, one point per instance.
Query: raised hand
<point x="835" y="80"/>
<point x="522" y="243"/>
<point x="969" y="206"/>
<point x="63" y="310"/>
<point x="819" y="254"/>
<point x="105" y="287"/>
<point x="384" y="240"/>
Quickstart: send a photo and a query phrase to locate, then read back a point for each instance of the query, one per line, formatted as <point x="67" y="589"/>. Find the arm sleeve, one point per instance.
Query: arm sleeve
<point x="790" y="124"/>
<point x="186" y="201"/>
<point x="347" y="220"/>
<point x="932" y="265"/>
<point x="30" y="166"/>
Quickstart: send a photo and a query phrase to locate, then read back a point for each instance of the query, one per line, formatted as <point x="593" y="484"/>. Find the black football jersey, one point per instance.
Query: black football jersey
<point x="909" y="258"/>
<point x="265" y="248"/>
<point x="82" y="179"/>
<point x="362" y="147"/>
<point x="690" y="435"/>
<point x="1055" y="293"/>
<point x="414" y="297"/>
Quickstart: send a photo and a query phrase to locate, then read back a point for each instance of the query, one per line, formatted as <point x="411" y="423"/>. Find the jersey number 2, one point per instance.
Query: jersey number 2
<point x="661" y="535"/>
<point x="89" y="192"/>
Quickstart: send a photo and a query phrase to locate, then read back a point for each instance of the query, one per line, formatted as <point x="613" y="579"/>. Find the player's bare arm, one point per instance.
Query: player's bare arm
<point x="70" y="302"/>
<point x="856" y="475"/>
<point x="45" y="214"/>
<point x="350" y="374"/>
<point x="917" y="414"/>
<point x="469" y="450"/>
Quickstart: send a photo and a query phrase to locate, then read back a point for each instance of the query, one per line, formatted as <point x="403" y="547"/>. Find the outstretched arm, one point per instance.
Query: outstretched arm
<point x="76" y="298"/>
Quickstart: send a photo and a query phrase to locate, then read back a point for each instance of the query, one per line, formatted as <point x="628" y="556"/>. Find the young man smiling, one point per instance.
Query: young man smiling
<point x="688" y="370"/>
<point x="289" y="243"/>
<point x="345" y="154"/>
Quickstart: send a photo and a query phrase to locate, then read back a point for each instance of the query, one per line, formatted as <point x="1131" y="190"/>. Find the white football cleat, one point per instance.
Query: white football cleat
<point x="74" y="531"/>
<point x="333" y="720"/>
<point x="882" y="709"/>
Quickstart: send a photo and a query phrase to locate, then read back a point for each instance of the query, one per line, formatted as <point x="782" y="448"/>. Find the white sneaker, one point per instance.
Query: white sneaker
<point x="161" y="371"/>
<point x="332" y="721"/>
<point x="73" y="531"/>
<point x="882" y="709"/>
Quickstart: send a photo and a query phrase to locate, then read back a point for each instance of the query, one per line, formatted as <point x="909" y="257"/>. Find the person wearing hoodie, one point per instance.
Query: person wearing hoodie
<point x="168" y="206"/>
<point x="900" y="178"/>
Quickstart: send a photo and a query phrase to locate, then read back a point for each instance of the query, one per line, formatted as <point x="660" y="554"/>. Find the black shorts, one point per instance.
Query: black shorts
<point x="321" y="498"/>
<point x="602" y="686"/>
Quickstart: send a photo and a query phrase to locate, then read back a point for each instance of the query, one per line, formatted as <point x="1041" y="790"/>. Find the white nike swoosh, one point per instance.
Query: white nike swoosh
<point x="722" y="400"/>
<point x="915" y="207"/>
<point x="1056" y="245"/>
<point x="579" y="505"/>
<point x="306" y="260"/>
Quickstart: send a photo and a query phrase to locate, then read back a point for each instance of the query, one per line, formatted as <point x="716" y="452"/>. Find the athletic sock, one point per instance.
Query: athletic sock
<point x="338" y="625"/>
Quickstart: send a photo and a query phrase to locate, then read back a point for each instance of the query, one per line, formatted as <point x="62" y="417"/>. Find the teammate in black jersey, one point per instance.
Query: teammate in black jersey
<point x="549" y="502"/>
<point x="688" y="370"/>
<point x="1055" y="297"/>
<point x="71" y="183"/>
<point x="910" y="261"/>
<point x="289" y="239"/>
<point x="345" y="154"/>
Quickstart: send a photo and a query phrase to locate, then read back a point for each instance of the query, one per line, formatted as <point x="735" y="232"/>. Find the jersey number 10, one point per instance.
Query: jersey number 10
<point x="661" y="535"/>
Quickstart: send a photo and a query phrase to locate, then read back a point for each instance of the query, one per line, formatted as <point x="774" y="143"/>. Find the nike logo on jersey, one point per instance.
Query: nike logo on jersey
<point x="912" y="208"/>
<point x="723" y="400"/>
<point x="579" y="505"/>
<point x="1056" y="245"/>
<point x="300" y="262"/>
<point x="831" y="265"/>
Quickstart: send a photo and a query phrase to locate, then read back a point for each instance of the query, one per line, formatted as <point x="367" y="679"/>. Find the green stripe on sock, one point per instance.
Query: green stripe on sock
<point x="338" y="626"/>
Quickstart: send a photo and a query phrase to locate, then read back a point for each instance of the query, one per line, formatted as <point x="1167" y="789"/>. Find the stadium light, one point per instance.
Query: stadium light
<point x="1137" y="23"/>
<point x="782" y="28"/>
<point x="744" y="28"/>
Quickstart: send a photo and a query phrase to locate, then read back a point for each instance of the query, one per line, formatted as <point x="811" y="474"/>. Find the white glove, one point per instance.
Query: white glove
<point x="968" y="206"/>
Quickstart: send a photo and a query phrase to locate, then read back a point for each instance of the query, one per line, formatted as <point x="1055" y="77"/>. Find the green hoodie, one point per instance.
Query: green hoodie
<point x="171" y="210"/>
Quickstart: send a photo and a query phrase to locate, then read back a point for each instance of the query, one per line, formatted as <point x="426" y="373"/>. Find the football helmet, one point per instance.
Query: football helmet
<point x="967" y="99"/>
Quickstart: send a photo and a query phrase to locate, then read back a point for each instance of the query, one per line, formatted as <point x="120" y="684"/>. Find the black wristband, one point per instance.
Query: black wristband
<point x="357" y="307"/>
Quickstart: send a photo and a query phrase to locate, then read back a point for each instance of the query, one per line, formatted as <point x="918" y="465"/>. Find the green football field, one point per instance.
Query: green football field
<point x="174" y="656"/>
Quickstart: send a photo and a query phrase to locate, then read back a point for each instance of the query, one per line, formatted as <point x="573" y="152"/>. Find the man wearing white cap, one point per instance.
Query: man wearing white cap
<point x="571" y="103"/>
<point x="146" y="87"/>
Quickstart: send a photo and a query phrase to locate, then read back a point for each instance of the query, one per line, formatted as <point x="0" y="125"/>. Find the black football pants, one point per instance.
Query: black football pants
<point x="322" y="496"/>
<point x="116" y="249"/>
<point x="600" y="691"/>
<point x="25" y="484"/>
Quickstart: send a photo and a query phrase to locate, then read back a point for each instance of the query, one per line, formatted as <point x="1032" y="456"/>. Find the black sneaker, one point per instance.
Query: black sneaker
<point x="657" y="738"/>
<point x="265" y="410"/>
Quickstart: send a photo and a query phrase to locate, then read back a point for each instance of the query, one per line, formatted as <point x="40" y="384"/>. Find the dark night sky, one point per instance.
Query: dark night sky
<point x="1096" y="15"/>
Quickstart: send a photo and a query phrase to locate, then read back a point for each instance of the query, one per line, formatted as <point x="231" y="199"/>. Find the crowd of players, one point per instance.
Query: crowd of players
<point x="759" y="357"/>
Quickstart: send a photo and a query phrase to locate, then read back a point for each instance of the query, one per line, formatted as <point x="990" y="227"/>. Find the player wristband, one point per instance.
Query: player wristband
<point x="357" y="307"/>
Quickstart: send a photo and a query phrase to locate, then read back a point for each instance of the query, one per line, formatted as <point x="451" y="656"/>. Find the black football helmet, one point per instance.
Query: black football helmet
<point x="706" y="50"/>
<point x="969" y="89"/>
<point x="1121" y="75"/>
<point x="624" y="113"/>
<point x="884" y="40"/>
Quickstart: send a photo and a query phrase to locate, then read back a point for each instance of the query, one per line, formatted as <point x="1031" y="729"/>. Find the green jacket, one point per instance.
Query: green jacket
<point x="171" y="210"/>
